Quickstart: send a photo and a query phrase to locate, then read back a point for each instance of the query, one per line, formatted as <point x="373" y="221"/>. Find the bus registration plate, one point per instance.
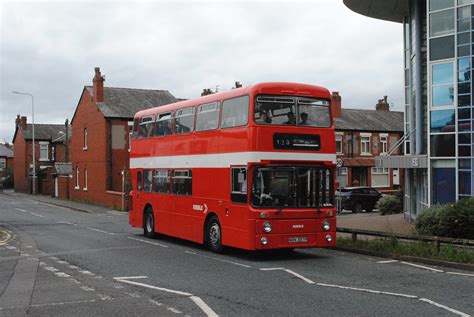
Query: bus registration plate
<point x="297" y="239"/>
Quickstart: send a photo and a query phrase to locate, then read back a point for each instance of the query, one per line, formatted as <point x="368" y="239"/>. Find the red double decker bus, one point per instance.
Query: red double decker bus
<point x="251" y="168"/>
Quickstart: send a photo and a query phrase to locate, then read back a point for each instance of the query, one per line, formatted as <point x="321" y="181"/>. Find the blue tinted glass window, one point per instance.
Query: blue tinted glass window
<point x="464" y="88"/>
<point x="443" y="95"/>
<point x="464" y="76"/>
<point x="465" y="164"/>
<point x="443" y="145"/>
<point x="464" y="25"/>
<point x="464" y="64"/>
<point x="442" y="119"/>
<point x="464" y="12"/>
<point x="464" y="125"/>
<point x="464" y="113"/>
<point x="441" y="4"/>
<point x="444" y="189"/>
<point x="464" y="50"/>
<point x="465" y="183"/>
<point x="464" y="38"/>
<point x="442" y="74"/>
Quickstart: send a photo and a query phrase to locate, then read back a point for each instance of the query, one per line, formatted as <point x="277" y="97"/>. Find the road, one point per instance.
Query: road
<point x="55" y="261"/>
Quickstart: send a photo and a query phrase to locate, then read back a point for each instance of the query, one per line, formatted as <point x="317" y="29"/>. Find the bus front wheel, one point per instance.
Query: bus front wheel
<point x="149" y="223"/>
<point x="214" y="235"/>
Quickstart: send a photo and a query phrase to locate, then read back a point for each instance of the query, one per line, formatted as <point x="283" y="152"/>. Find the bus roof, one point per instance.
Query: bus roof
<point x="260" y="88"/>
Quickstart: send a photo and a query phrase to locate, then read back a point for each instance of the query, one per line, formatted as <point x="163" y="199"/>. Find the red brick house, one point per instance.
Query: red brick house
<point x="51" y="148"/>
<point x="101" y="126"/>
<point x="6" y="160"/>
<point x="361" y="135"/>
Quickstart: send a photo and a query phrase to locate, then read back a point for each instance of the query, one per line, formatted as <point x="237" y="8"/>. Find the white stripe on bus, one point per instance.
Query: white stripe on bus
<point x="222" y="160"/>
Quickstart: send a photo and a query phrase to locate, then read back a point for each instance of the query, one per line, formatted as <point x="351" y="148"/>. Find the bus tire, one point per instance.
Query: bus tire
<point x="214" y="235"/>
<point x="149" y="223"/>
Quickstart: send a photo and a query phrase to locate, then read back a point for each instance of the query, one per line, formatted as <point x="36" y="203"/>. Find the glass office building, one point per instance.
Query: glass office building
<point x="439" y="113"/>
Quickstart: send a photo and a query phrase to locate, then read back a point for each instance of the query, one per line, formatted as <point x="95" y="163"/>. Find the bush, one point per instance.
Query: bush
<point x="453" y="220"/>
<point x="389" y="205"/>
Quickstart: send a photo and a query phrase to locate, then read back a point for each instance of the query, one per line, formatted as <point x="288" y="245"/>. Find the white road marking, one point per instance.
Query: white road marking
<point x="10" y="247"/>
<point x="134" y="295"/>
<point x="25" y="254"/>
<point x="217" y="259"/>
<point x="206" y="309"/>
<point x="155" y="302"/>
<point x="104" y="297"/>
<point x="74" y="267"/>
<point x="86" y="272"/>
<point x="388" y="261"/>
<point x="198" y="301"/>
<point x="62" y="274"/>
<point x="367" y="290"/>
<point x="63" y="262"/>
<point x="98" y="230"/>
<point x="64" y="222"/>
<point x="307" y="280"/>
<point x="87" y="288"/>
<point x="174" y="310"/>
<point x="37" y="215"/>
<point x="51" y="269"/>
<point x="64" y="303"/>
<point x="456" y="273"/>
<point x="22" y="210"/>
<point x="149" y="242"/>
<point x="423" y="267"/>
<point x="454" y="311"/>
<point x="53" y="258"/>
<point x="130" y="277"/>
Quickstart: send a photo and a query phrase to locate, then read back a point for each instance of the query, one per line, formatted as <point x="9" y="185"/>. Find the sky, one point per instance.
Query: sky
<point x="50" y="48"/>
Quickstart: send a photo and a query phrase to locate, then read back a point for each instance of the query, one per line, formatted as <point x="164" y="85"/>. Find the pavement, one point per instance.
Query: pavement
<point x="78" y="206"/>
<point x="394" y="224"/>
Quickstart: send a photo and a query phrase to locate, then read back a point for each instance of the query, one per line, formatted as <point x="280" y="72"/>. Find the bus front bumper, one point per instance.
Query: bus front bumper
<point x="292" y="240"/>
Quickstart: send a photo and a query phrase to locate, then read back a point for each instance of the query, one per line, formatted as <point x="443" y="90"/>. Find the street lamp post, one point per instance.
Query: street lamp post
<point x="32" y="135"/>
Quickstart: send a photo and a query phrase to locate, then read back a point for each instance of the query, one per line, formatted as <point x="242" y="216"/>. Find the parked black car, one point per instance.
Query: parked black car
<point x="358" y="198"/>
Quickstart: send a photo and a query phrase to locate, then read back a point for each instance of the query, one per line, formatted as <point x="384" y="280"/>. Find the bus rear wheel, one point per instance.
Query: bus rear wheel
<point x="149" y="223"/>
<point x="214" y="235"/>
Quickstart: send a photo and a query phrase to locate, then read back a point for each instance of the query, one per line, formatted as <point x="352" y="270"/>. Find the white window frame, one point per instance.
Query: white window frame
<point x="85" y="180"/>
<point x="85" y="139"/>
<point x="42" y="145"/>
<point x="383" y="143"/>
<point x="339" y="137"/>
<point x="77" y="178"/>
<point x="363" y="141"/>
<point x="378" y="171"/>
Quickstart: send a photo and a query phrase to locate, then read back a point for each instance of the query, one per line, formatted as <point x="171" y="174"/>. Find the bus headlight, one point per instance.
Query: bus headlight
<point x="263" y="240"/>
<point x="326" y="226"/>
<point x="267" y="227"/>
<point x="328" y="238"/>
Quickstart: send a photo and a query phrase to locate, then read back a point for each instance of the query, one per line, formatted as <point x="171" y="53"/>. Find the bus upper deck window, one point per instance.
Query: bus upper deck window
<point x="164" y="124"/>
<point x="146" y="127"/>
<point x="207" y="117"/>
<point x="235" y="112"/>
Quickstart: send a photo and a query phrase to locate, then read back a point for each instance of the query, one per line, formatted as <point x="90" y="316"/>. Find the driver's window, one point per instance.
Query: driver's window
<point x="239" y="185"/>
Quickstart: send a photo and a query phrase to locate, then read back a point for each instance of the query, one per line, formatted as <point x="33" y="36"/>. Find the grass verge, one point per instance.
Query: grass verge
<point x="417" y="249"/>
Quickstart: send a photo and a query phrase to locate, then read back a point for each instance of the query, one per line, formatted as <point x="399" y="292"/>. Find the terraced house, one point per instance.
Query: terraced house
<point x="101" y="126"/>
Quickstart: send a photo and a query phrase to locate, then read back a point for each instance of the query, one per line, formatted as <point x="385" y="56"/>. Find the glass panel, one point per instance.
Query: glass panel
<point x="442" y="48"/>
<point x="147" y="180"/>
<point x="444" y="189"/>
<point x="184" y="121"/>
<point x="441" y="4"/>
<point x="465" y="164"/>
<point x="182" y="182"/>
<point x="464" y="12"/>
<point x="443" y="145"/>
<point x="464" y="126"/>
<point x="464" y="88"/>
<point x="464" y="151"/>
<point x="465" y="183"/>
<point x="442" y="23"/>
<point x="464" y="2"/>
<point x="464" y="76"/>
<point x="443" y="95"/>
<point x="207" y="117"/>
<point x="442" y="74"/>
<point x="292" y="187"/>
<point x="464" y="113"/>
<point x="464" y="25"/>
<point x="164" y="124"/>
<point x="464" y="101"/>
<point x="235" y="112"/>
<point x="161" y="181"/>
<point x="464" y="38"/>
<point x="442" y="120"/>
<point x="464" y="50"/>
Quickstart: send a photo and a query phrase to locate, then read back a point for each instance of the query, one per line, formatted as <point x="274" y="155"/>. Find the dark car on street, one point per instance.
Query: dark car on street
<point x="358" y="198"/>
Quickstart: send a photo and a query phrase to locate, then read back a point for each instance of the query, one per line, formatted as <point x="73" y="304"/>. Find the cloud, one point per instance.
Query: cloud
<point x="49" y="49"/>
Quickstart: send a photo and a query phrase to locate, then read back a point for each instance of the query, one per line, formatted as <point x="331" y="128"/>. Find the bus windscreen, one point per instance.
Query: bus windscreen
<point x="289" y="110"/>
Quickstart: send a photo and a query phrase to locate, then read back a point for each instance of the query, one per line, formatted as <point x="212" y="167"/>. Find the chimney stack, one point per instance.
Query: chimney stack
<point x="22" y="123"/>
<point x="206" y="91"/>
<point x="382" y="105"/>
<point x="98" y="82"/>
<point x="336" y="104"/>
